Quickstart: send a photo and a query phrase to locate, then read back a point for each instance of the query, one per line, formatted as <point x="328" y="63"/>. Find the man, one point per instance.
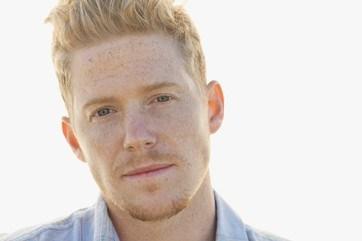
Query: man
<point x="132" y="76"/>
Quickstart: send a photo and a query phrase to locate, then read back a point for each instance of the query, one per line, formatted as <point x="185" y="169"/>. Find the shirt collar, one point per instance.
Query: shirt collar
<point x="103" y="226"/>
<point x="229" y="226"/>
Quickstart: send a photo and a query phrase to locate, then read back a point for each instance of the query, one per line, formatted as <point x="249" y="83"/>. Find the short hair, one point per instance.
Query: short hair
<point x="78" y="23"/>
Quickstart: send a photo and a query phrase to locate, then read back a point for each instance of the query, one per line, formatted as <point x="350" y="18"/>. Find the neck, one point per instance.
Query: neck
<point x="196" y="222"/>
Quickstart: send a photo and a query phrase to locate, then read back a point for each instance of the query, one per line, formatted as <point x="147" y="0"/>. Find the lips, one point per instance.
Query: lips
<point x="150" y="169"/>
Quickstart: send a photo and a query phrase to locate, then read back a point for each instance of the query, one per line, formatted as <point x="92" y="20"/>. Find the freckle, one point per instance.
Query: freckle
<point x="152" y="188"/>
<point x="90" y="60"/>
<point x="110" y="53"/>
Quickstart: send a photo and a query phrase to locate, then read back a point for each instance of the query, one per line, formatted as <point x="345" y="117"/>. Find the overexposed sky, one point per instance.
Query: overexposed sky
<point x="288" y="156"/>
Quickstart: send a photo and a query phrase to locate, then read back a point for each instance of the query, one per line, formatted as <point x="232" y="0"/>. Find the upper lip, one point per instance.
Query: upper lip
<point x="144" y="169"/>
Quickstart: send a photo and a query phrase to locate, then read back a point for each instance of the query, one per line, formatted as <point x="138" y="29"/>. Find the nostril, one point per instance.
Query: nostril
<point x="130" y="148"/>
<point x="138" y="145"/>
<point x="148" y="143"/>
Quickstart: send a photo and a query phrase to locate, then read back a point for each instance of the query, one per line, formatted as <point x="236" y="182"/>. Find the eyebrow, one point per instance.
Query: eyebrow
<point x="156" y="86"/>
<point x="144" y="89"/>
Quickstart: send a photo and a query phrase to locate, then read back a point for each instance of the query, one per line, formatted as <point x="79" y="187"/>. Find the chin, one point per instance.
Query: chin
<point x="156" y="207"/>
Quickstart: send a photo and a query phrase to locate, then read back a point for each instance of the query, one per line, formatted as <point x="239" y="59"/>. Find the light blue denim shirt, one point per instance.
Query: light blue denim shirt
<point x="94" y="224"/>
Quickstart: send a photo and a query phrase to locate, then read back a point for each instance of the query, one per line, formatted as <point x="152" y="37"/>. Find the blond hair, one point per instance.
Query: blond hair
<point x="78" y="23"/>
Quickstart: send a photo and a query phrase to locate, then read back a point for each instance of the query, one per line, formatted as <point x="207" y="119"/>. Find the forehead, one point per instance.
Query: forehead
<point x="137" y="54"/>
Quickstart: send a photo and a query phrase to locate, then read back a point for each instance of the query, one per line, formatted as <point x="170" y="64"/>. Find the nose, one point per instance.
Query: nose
<point x="137" y="136"/>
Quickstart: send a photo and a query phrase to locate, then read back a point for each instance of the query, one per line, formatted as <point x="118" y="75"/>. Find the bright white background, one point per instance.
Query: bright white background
<point x="288" y="157"/>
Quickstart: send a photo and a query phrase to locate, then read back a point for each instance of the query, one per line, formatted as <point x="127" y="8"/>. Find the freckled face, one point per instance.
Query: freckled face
<point x="141" y="123"/>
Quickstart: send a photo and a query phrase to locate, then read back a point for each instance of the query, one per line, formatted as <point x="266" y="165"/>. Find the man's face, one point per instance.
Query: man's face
<point x="141" y="123"/>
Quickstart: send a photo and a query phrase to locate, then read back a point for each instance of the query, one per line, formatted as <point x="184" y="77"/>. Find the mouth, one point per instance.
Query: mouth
<point x="148" y="171"/>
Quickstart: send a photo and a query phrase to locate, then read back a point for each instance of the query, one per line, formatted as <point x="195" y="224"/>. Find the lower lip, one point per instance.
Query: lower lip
<point x="152" y="173"/>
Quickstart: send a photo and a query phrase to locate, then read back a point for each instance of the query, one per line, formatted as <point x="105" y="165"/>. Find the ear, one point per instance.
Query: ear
<point x="69" y="135"/>
<point x="216" y="105"/>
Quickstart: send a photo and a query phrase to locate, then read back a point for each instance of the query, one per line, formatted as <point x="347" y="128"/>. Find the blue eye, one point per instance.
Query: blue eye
<point x="104" y="111"/>
<point x="163" y="98"/>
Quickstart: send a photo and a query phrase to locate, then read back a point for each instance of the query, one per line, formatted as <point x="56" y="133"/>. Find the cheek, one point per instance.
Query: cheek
<point x="100" y="141"/>
<point x="185" y="128"/>
<point x="100" y="146"/>
<point x="191" y="122"/>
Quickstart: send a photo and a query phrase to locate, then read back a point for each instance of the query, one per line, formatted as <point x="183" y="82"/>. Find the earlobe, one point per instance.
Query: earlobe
<point x="69" y="135"/>
<point x="216" y="105"/>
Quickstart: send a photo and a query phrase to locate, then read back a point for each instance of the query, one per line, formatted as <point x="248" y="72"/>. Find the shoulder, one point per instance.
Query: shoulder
<point x="258" y="235"/>
<point x="67" y="229"/>
<point x="231" y="227"/>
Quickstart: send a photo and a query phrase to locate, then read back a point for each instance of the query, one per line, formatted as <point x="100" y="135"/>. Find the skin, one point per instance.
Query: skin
<point x="135" y="105"/>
